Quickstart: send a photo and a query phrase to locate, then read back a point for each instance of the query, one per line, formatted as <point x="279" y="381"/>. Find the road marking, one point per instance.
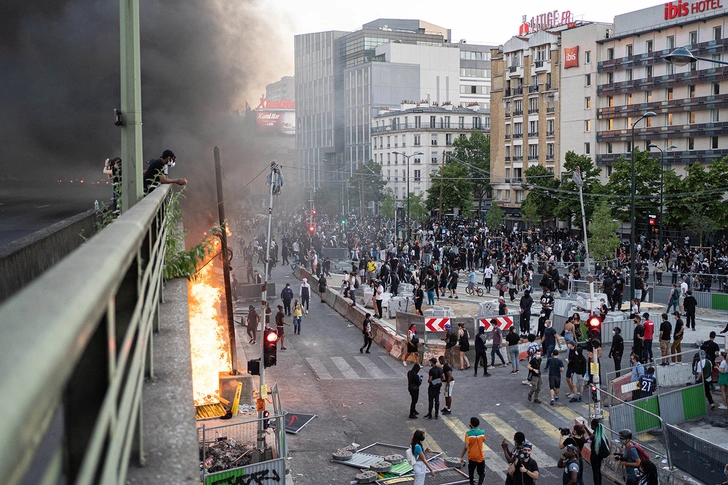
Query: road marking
<point x="396" y="367"/>
<point x="568" y="413"/>
<point x="345" y="368"/>
<point x="318" y="368"/>
<point x="547" y="428"/>
<point x="497" y="463"/>
<point x="429" y="440"/>
<point x="370" y="367"/>
<point x="507" y="431"/>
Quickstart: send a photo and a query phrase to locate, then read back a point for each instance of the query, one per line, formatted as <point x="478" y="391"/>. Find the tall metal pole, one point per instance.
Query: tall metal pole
<point x="132" y="183"/>
<point x="442" y="174"/>
<point x="633" y="249"/>
<point x="225" y="264"/>
<point x="580" y="183"/>
<point x="409" y="220"/>
<point x="361" y="191"/>
<point x="263" y="390"/>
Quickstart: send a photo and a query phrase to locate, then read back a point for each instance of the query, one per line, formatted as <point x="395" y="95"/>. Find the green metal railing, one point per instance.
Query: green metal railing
<point x="75" y="348"/>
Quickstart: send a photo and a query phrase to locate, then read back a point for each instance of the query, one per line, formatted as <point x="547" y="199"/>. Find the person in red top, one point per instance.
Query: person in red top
<point x="649" y="333"/>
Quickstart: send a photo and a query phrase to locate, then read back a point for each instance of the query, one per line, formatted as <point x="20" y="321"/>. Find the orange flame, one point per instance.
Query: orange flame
<point x="209" y="344"/>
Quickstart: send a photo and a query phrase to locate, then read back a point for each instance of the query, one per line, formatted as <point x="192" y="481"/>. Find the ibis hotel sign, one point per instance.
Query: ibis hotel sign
<point x="677" y="9"/>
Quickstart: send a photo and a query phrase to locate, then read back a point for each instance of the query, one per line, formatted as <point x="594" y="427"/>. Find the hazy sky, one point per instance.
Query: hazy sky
<point x="479" y="22"/>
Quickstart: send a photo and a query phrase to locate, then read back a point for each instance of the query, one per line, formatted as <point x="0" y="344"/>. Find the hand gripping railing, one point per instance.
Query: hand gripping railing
<point x="75" y="347"/>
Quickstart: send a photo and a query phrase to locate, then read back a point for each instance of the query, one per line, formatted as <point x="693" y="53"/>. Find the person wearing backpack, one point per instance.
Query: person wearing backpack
<point x="599" y="449"/>
<point x="464" y="346"/>
<point x="704" y="373"/>
<point x="631" y="457"/>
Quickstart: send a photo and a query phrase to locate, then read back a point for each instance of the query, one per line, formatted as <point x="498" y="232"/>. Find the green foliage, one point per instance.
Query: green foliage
<point x="702" y="197"/>
<point x="475" y="152"/>
<point x="369" y="178"/>
<point x="541" y="201"/>
<point x="494" y="217"/>
<point x="387" y="207"/>
<point x="418" y="211"/>
<point x="569" y="207"/>
<point x="647" y="186"/>
<point x="457" y="188"/>
<point x="179" y="263"/>
<point x="328" y="201"/>
<point x="603" y="239"/>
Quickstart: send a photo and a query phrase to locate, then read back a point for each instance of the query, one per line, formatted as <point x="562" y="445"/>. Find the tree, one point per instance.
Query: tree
<point x="457" y="188"/>
<point x="569" y="205"/>
<point x="327" y="201"/>
<point x="387" y="208"/>
<point x="475" y="153"/>
<point x="494" y="217"/>
<point x="603" y="239"/>
<point x="418" y="211"/>
<point x="541" y="201"/>
<point x="369" y="178"/>
<point x="701" y="196"/>
<point x="646" y="190"/>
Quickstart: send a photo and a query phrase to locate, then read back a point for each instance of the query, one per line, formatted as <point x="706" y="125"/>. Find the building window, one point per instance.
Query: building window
<point x="587" y="102"/>
<point x="508" y="154"/>
<point x="533" y="128"/>
<point x="715" y="115"/>
<point x="693" y="37"/>
<point x="549" y="151"/>
<point x="533" y="152"/>
<point x="389" y="159"/>
<point x="629" y="50"/>
<point x="670" y="68"/>
<point x="648" y="45"/>
<point x="507" y="194"/>
<point x="417" y="140"/>
<point x="717" y="33"/>
<point x="418" y="160"/>
<point x="433" y="158"/>
<point x="549" y="127"/>
<point x="389" y="175"/>
<point x="433" y="140"/>
<point x="404" y="138"/>
<point x="461" y="122"/>
<point x="519" y="196"/>
<point x="629" y="98"/>
<point x="670" y="42"/>
<point x="609" y="147"/>
<point x="629" y="74"/>
<point x="610" y="101"/>
<point x="587" y="80"/>
<point x="610" y="78"/>
<point x="448" y="139"/>
<point x="447" y="122"/>
<point x="587" y="57"/>
<point x="418" y="122"/>
<point x="669" y="94"/>
<point x="714" y="142"/>
<point x="648" y="71"/>
<point x="691" y="143"/>
<point x="587" y="125"/>
<point x="649" y="122"/>
<point x="716" y="89"/>
<point x="533" y="105"/>
<point x="433" y="121"/>
<point x="417" y="175"/>
<point x="517" y="152"/>
<point x="610" y="53"/>
<point x="587" y="148"/>
<point x="498" y="195"/>
<point x="610" y="124"/>
<point x="518" y="130"/>
<point x="609" y="170"/>
<point x="508" y="175"/>
<point x="396" y="141"/>
<point x="668" y="121"/>
<point x="629" y="147"/>
<point x="648" y="96"/>
<point x="691" y="117"/>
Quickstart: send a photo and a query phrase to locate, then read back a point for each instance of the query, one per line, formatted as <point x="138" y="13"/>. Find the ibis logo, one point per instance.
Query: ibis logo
<point x="571" y="57"/>
<point x="682" y="9"/>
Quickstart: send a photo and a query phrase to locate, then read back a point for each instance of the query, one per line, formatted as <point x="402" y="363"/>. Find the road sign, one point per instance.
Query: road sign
<point x="436" y="324"/>
<point x="295" y="421"/>
<point x="504" y="323"/>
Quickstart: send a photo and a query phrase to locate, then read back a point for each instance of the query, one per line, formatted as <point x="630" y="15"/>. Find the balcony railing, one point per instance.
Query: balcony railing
<point x="508" y="159"/>
<point x="550" y="110"/>
<point x="550" y="157"/>
<point x="518" y="112"/>
<point x="518" y="135"/>
<point x="550" y="133"/>
<point x="533" y="134"/>
<point x="508" y="137"/>
<point x="518" y="158"/>
<point x="438" y="126"/>
<point x="538" y="64"/>
<point x="532" y="111"/>
<point x="533" y="157"/>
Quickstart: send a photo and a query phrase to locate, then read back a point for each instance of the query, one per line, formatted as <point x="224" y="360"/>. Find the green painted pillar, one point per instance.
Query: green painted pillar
<point x="132" y="183"/>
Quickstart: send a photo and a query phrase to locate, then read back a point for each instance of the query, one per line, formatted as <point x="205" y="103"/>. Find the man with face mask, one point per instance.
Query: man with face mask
<point x="617" y="349"/>
<point x="156" y="173"/>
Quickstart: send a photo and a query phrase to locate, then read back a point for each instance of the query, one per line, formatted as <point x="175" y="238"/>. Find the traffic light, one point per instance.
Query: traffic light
<point x="594" y="329"/>
<point x="311" y="229"/>
<point x="266" y="421"/>
<point x="270" y="347"/>
<point x="593" y="389"/>
<point x="254" y="367"/>
<point x="653" y="220"/>
<point x="313" y="212"/>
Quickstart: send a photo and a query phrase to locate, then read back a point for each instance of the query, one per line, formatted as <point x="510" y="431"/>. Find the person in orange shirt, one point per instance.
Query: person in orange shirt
<point x="474" y="440"/>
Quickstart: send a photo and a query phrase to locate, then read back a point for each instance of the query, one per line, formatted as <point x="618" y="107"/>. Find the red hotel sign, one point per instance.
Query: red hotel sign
<point x="682" y="9"/>
<point x="571" y="57"/>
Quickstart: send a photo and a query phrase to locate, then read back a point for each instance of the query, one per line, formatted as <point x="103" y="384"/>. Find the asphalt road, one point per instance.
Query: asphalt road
<point x="363" y="398"/>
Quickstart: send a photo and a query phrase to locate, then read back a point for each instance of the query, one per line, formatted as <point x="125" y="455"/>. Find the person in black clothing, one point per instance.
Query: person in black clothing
<point x="322" y="287"/>
<point x="690" y="303"/>
<point x="414" y="381"/>
<point x="279" y="326"/>
<point x="638" y="336"/>
<point x="617" y="349"/>
<point x="525" y="310"/>
<point x="433" y="389"/>
<point x="156" y="173"/>
<point x="502" y="307"/>
<point x="252" y="321"/>
<point x="480" y="350"/>
<point x="419" y="296"/>
<point x="524" y="470"/>
<point x="617" y="292"/>
<point x="287" y="297"/>
<point x="711" y="348"/>
<point x="366" y="329"/>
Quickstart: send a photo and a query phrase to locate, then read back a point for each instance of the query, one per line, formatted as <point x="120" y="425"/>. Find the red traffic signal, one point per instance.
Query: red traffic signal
<point x="270" y="347"/>
<point x="313" y="212"/>
<point x="311" y="228"/>
<point x="594" y="322"/>
<point x="594" y="330"/>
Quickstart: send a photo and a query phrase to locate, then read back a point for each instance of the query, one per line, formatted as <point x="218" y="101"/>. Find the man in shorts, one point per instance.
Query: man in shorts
<point x="449" y="381"/>
<point x="579" y="373"/>
<point x="555" y="366"/>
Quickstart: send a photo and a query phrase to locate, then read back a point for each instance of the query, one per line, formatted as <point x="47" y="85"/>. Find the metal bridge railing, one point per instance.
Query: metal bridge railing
<point x="76" y="346"/>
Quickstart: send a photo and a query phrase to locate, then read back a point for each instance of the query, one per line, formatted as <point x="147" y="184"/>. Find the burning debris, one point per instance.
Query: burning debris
<point x="225" y="454"/>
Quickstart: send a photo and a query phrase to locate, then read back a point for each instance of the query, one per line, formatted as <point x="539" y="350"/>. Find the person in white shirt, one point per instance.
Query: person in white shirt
<point x="488" y="278"/>
<point x="378" y="297"/>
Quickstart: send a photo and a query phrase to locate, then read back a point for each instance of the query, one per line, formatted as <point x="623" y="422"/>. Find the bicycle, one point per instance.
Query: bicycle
<point x="475" y="290"/>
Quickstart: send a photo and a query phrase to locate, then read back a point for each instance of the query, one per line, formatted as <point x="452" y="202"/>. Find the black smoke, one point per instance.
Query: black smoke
<point x="200" y="61"/>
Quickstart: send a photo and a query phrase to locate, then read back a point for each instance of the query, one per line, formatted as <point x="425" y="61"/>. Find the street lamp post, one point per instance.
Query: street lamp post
<point x="662" y="189"/>
<point x="409" y="221"/>
<point x="633" y="244"/>
<point x="682" y="57"/>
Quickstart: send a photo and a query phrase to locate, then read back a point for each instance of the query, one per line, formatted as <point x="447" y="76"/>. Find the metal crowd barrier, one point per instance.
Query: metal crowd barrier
<point x="696" y="456"/>
<point x="76" y="346"/>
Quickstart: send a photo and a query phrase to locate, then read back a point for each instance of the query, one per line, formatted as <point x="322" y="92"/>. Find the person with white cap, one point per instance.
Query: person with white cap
<point x="305" y="293"/>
